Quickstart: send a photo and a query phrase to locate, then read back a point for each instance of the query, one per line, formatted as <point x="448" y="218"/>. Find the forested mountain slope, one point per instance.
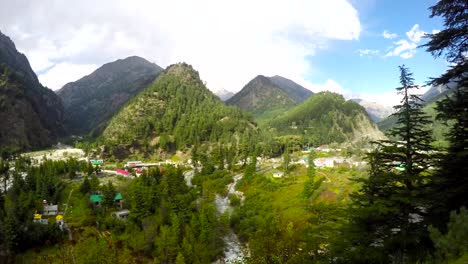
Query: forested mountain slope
<point x="31" y="114"/>
<point x="327" y="117"/>
<point x="92" y="100"/>
<point x="266" y="97"/>
<point x="439" y="128"/>
<point x="178" y="109"/>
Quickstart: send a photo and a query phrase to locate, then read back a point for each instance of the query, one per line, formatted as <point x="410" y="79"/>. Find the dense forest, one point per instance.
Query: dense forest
<point x="326" y="117"/>
<point x="175" y="112"/>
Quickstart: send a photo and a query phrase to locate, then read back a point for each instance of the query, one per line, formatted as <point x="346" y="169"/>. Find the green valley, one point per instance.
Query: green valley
<point x="137" y="163"/>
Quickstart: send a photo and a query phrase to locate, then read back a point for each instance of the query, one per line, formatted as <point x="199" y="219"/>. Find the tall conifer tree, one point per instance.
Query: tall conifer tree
<point x="387" y="213"/>
<point x="450" y="183"/>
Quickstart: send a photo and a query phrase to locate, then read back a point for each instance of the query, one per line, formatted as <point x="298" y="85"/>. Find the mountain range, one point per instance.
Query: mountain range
<point x="176" y="111"/>
<point x="223" y="94"/>
<point x="430" y="98"/>
<point x="94" y="99"/>
<point x="134" y="106"/>
<point x="32" y="115"/>
<point x="375" y="110"/>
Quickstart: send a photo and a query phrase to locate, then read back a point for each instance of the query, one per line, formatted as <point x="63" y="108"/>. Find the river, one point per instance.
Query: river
<point x="234" y="250"/>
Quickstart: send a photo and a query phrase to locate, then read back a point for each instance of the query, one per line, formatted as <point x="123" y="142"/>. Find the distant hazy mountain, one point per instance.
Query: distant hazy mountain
<point x="435" y="92"/>
<point x="327" y="117"/>
<point x="431" y="97"/>
<point x="92" y="100"/>
<point x="268" y="96"/>
<point x="375" y="111"/>
<point x="31" y="114"/>
<point x="438" y="127"/>
<point x="175" y="110"/>
<point x="224" y="95"/>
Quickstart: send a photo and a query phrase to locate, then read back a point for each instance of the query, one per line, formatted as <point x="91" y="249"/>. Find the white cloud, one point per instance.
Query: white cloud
<point x="415" y="34"/>
<point x="407" y="48"/>
<point x="363" y="52"/>
<point x="389" y="35"/>
<point x="435" y="31"/>
<point x="388" y="98"/>
<point x="229" y="43"/>
<point x="329" y="85"/>
<point x="404" y="49"/>
<point x="64" y="73"/>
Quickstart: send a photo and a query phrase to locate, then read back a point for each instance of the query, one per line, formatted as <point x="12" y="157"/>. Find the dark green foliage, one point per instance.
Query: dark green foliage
<point x="452" y="247"/>
<point x="85" y="187"/>
<point x="176" y="111"/>
<point x="108" y="195"/>
<point x="451" y="41"/>
<point x="438" y="127"/>
<point x="163" y="208"/>
<point x="450" y="183"/>
<point x="311" y="167"/>
<point x="4" y="173"/>
<point x="94" y="183"/>
<point x="23" y="127"/>
<point x="19" y="203"/>
<point x="325" y="118"/>
<point x="31" y="114"/>
<point x="386" y="220"/>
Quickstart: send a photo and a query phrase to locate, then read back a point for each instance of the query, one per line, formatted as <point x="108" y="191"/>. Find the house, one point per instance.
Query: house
<point x="59" y="219"/>
<point x="38" y="219"/>
<point x="133" y="164"/>
<point x="50" y="210"/>
<point x="122" y="172"/>
<point x="324" y="162"/>
<point x="122" y="214"/>
<point x="96" y="199"/>
<point x="96" y="162"/>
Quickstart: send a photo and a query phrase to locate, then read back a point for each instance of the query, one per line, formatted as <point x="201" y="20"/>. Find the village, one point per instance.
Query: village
<point x="326" y="157"/>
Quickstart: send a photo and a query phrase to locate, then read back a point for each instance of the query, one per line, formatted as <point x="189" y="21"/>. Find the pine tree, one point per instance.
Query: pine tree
<point x="309" y="184"/>
<point x="387" y="212"/>
<point x="108" y="195"/>
<point x="4" y="173"/>
<point x="450" y="183"/>
<point x="286" y="160"/>
<point x="311" y="167"/>
<point x="94" y="183"/>
<point x="452" y="247"/>
<point x="85" y="187"/>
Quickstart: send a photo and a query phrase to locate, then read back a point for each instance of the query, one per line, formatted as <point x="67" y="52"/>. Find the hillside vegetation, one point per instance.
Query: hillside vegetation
<point x="31" y="114"/>
<point x="267" y="97"/>
<point x="176" y="111"/>
<point x="91" y="101"/>
<point x="439" y="128"/>
<point x="327" y="117"/>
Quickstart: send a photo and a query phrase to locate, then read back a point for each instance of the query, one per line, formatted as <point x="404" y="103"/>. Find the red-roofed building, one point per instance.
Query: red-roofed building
<point x="122" y="172"/>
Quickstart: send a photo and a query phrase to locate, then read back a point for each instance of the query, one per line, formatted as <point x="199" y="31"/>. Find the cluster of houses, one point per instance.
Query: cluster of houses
<point x="331" y="162"/>
<point x="138" y="167"/>
<point x="323" y="148"/>
<point x="49" y="210"/>
<point x="122" y="214"/>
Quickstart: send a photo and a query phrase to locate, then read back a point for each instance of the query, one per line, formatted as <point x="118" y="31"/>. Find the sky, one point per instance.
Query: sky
<point x="351" y="47"/>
